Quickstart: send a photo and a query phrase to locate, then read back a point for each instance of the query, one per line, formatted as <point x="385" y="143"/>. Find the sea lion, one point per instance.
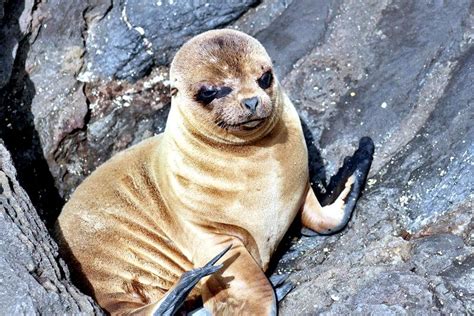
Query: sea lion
<point x="227" y="176"/>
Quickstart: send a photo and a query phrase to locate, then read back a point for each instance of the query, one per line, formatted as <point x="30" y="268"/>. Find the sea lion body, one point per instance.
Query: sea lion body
<point x="229" y="171"/>
<point x="135" y="223"/>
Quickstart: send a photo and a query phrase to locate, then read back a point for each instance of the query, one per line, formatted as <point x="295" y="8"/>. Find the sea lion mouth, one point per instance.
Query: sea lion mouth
<point x="247" y="125"/>
<point x="252" y="123"/>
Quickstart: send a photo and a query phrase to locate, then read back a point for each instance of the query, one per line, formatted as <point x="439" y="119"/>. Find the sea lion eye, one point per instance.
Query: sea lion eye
<point x="265" y="81"/>
<point x="206" y="94"/>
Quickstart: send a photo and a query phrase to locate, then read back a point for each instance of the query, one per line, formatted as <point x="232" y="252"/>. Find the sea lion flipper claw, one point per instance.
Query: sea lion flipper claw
<point x="281" y="285"/>
<point x="343" y="191"/>
<point x="278" y="279"/>
<point x="176" y="296"/>
<point x="220" y="255"/>
<point x="283" y="290"/>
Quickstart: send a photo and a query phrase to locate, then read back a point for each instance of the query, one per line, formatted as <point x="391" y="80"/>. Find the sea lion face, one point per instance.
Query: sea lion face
<point x="225" y="84"/>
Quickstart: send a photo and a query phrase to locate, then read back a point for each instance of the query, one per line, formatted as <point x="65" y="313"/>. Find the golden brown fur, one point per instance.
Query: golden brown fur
<point x="172" y="202"/>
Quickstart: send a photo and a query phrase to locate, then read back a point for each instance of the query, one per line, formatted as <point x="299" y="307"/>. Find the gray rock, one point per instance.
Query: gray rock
<point x="15" y="19"/>
<point x="120" y="114"/>
<point x="33" y="279"/>
<point x="261" y="16"/>
<point x="149" y="32"/>
<point x="54" y="58"/>
<point x="119" y="54"/>
<point x="287" y="39"/>
<point x="16" y="120"/>
<point x="400" y="72"/>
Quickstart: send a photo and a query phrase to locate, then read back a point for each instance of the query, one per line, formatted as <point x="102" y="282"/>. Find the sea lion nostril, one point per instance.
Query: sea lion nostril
<point x="250" y="103"/>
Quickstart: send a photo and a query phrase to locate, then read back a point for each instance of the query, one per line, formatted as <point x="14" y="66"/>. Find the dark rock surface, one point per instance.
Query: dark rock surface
<point x="90" y="79"/>
<point x="402" y="73"/>
<point x="33" y="279"/>
<point x="149" y="32"/>
<point x="296" y="36"/>
<point x="259" y="17"/>
<point x="14" y="24"/>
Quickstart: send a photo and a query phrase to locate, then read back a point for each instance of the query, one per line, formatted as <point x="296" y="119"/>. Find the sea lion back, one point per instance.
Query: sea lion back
<point x="118" y="233"/>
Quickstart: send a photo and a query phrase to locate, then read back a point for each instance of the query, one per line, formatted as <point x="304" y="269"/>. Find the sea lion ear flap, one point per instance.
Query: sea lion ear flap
<point x="173" y="88"/>
<point x="173" y="91"/>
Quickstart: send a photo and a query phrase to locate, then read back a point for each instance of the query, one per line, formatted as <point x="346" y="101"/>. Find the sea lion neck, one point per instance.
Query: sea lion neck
<point x="187" y="126"/>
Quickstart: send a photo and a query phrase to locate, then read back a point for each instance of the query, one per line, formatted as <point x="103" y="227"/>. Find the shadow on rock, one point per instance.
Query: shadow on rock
<point x="16" y="122"/>
<point x="318" y="180"/>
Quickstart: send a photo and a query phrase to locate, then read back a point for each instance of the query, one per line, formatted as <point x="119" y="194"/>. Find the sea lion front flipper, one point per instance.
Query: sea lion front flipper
<point x="343" y="191"/>
<point x="240" y="288"/>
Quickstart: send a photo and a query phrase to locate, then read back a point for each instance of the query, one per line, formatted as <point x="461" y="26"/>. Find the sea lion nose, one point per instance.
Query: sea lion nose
<point x="250" y="103"/>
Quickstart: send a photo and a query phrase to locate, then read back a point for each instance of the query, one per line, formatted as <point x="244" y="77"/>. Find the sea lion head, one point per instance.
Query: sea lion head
<point x="224" y="86"/>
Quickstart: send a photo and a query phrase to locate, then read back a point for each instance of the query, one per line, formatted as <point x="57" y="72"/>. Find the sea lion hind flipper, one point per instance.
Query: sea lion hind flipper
<point x="176" y="296"/>
<point x="343" y="191"/>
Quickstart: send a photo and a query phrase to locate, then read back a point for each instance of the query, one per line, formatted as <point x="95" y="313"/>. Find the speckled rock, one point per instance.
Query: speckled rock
<point x="16" y="120"/>
<point x="259" y="17"/>
<point x="33" y="279"/>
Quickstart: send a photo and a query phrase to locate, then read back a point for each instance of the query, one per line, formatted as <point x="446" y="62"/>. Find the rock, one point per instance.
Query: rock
<point x="401" y="73"/>
<point x="16" y="121"/>
<point x="369" y="268"/>
<point x="259" y="17"/>
<point x="120" y="114"/>
<point x="149" y="32"/>
<point x="15" y="19"/>
<point x="54" y="59"/>
<point x="288" y="39"/>
<point x="34" y="280"/>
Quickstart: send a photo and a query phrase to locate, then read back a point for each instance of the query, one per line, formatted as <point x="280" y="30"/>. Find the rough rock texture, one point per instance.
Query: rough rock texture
<point x="16" y="120"/>
<point x="148" y="32"/>
<point x="90" y="78"/>
<point x="301" y="27"/>
<point x="259" y="17"/>
<point x="402" y="73"/>
<point x="33" y="279"/>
